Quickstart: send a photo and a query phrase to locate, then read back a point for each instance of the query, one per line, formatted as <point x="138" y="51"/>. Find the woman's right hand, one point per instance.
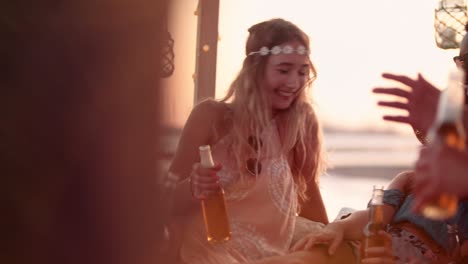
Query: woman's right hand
<point x="204" y="181"/>
<point x="331" y="235"/>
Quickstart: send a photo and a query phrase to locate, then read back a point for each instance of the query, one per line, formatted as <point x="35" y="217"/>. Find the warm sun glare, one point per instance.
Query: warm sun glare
<point x="353" y="42"/>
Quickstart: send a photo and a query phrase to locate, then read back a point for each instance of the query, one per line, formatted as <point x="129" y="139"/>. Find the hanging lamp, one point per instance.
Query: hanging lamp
<point x="450" y="17"/>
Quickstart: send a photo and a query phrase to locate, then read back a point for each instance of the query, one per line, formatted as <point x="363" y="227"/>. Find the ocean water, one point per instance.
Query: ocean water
<point x="371" y="149"/>
<point x="360" y="160"/>
<point x="343" y="191"/>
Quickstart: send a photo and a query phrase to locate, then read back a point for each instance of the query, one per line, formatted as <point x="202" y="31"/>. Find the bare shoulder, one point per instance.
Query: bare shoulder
<point x="402" y="181"/>
<point x="404" y="176"/>
<point x="209" y="110"/>
<point x="198" y="131"/>
<point x="205" y="120"/>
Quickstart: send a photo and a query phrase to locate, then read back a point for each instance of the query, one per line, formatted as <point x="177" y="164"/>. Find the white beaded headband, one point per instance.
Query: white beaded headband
<point x="287" y="49"/>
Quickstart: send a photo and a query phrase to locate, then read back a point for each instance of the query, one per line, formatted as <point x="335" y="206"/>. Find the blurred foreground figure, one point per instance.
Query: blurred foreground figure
<point x="78" y="133"/>
<point x="439" y="169"/>
<point x="421" y="105"/>
<point x="446" y="166"/>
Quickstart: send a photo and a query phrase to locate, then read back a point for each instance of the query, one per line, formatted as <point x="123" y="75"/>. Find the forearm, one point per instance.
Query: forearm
<point x="314" y="208"/>
<point x="354" y="225"/>
<point x="316" y="215"/>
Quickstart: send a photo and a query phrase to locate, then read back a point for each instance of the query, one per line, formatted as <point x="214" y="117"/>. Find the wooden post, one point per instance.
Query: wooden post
<point x="207" y="46"/>
<point x="79" y="131"/>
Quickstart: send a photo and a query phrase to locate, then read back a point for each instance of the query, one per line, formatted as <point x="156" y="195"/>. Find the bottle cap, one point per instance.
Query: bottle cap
<point x="204" y="148"/>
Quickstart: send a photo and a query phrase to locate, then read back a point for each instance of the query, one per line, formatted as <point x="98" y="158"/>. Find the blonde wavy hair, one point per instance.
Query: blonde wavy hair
<point x="252" y="111"/>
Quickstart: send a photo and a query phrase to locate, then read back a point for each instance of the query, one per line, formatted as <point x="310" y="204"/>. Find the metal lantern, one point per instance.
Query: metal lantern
<point x="450" y="18"/>
<point x="167" y="56"/>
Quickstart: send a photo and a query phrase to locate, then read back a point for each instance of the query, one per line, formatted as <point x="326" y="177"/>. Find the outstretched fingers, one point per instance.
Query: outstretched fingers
<point x="398" y="119"/>
<point x="392" y="91"/>
<point x="399" y="105"/>
<point x="400" y="78"/>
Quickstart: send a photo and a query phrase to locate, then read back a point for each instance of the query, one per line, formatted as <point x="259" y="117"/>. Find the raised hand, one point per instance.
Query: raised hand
<point x="420" y="101"/>
<point x="439" y="169"/>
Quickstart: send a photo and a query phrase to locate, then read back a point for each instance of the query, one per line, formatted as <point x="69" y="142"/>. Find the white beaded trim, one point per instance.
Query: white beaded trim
<point x="287" y="49"/>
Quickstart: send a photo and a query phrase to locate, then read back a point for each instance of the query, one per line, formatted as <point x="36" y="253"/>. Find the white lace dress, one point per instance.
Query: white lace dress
<point x="262" y="219"/>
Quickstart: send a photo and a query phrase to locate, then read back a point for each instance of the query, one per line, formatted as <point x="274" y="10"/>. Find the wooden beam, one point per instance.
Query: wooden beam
<point x="207" y="46"/>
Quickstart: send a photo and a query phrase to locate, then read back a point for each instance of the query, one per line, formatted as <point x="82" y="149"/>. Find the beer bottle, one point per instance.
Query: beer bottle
<point x="214" y="206"/>
<point x="447" y="129"/>
<point x="375" y="224"/>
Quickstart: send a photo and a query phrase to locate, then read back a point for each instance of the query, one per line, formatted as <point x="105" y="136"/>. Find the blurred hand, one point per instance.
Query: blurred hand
<point x="421" y="101"/>
<point x="440" y="169"/>
<point x="331" y="235"/>
<point x="204" y="181"/>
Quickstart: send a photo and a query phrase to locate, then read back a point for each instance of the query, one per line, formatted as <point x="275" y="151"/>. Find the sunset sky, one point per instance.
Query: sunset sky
<point x="353" y="42"/>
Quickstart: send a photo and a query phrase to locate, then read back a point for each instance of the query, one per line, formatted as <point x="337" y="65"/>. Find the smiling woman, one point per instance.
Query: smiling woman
<point x="265" y="119"/>
<point x="286" y="73"/>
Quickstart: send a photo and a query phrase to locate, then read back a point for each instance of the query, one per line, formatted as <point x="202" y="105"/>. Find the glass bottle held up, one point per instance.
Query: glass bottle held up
<point x="214" y="206"/>
<point x="447" y="129"/>
<point x="372" y="238"/>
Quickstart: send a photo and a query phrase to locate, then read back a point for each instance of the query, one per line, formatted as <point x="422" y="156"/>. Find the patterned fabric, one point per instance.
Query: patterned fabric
<point x="437" y="230"/>
<point x="393" y="197"/>
<point x="262" y="217"/>
<point x="407" y="246"/>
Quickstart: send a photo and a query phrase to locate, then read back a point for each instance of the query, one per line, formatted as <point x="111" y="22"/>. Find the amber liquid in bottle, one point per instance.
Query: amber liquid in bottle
<point x="214" y="206"/>
<point x="448" y="130"/>
<point x="372" y="238"/>
<point x="445" y="206"/>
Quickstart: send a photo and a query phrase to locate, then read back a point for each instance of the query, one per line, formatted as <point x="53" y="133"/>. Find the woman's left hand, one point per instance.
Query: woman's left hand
<point x="384" y="255"/>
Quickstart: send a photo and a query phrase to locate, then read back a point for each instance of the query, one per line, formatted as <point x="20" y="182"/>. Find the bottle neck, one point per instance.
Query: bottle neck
<point x="376" y="206"/>
<point x="206" y="160"/>
<point x="377" y="196"/>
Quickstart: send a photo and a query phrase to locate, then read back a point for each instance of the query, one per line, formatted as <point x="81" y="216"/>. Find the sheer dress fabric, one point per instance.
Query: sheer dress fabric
<point x="262" y="217"/>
